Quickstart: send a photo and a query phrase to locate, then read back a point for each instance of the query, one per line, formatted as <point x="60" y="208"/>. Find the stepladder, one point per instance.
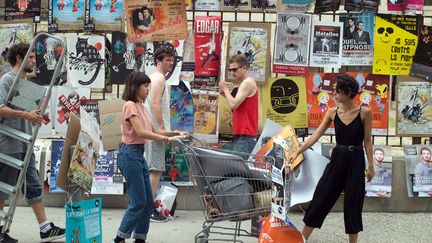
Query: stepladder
<point x="24" y="95"/>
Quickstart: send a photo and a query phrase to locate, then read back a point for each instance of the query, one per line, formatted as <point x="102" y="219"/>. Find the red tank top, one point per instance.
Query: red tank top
<point x="245" y="117"/>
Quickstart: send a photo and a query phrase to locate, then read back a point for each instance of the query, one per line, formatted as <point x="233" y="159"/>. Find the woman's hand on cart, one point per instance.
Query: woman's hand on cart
<point x="183" y="134"/>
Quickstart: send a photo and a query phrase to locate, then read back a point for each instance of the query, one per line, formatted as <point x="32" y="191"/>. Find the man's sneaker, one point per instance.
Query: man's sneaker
<point x="53" y="234"/>
<point x="6" y="238"/>
<point x="157" y="217"/>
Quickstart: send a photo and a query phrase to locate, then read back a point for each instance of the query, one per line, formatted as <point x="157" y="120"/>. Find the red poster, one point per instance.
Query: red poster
<point x="208" y="38"/>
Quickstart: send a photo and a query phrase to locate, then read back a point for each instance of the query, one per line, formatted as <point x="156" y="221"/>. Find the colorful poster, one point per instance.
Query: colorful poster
<point x="208" y="5"/>
<point x="225" y="116"/>
<point x="322" y="6"/>
<point x="233" y="5"/>
<point x="284" y="102"/>
<point x="413" y="107"/>
<point x="181" y="108"/>
<point x="46" y="128"/>
<point x="48" y="51"/>
<point x="22" y="9"/>
<point x="357" y="49"/>
<point x="292" y="44"/>
<point x="158" y="20"/>
<point x="252" y="40"/>
<point x="103" y="182"/>
<point x="84" y="221"/>
<point x="381" y="183"/>
<point x="56" y="154"/>
<point x="363" y="5"/>
<point x="172" y="77"/>
<point x="395" y="43"/>
<point x="65" y="15"/>
<point x="125" y="57"/>
<point x="206" y="122"/>
<point x="411" y="6"/>
<point x="260" y="5"/>
<point x="422" y="62"/>
<point x="10" y="34"/>
<point x="300" y="6"/>
<point x="177" y="170"/>
<point x="208" y="40"/>
<point x="327" y="44"/>
<point x="418" y="170"/>
<point x="86" y="62"/>
<point x="103" y="15"/>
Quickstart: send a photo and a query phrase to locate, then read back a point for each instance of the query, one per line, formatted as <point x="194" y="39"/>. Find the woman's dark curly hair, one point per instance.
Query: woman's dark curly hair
<point x="347" y="85"/>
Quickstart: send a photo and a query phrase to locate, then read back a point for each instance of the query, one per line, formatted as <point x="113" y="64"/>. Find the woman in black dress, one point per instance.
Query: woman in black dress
<point x="346" y="170"/>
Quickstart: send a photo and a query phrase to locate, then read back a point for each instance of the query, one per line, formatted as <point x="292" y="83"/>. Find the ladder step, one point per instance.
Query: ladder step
<point x="7" y="188"/>
<point x="11" y="132"/>
<point x="11" y="161"/>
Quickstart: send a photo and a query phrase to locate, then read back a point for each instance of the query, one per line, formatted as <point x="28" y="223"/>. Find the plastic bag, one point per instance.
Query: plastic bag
<point x="165" y="197"/>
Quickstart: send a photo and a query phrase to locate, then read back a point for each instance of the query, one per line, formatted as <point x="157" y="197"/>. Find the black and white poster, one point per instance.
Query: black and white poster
<point x="322" y="6"/>
<point x="422" y="62"/>
<point x="326" y="44"/>
<point x="22" y="9"/>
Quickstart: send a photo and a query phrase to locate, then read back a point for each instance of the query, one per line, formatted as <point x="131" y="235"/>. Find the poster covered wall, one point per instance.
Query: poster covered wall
<point x="326" y="44"/>
<point x="418" y="170"/>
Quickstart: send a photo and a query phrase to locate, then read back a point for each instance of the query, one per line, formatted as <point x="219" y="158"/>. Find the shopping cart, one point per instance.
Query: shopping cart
<point x="231" y="186"/>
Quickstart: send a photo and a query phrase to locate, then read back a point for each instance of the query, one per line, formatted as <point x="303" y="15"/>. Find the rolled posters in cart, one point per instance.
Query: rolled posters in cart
<point x="206" y="122"/>
<point x="418" y="170"/>
<point x="155" y="20"/>
<point x="395" y="43"/>
<point x="208" y="40"/>
<point x="358" y="33"/>
<point x="327" y="44"/>
<point x="208" y="5"/>
<point x="363" y="5"/>
<point x="422" y="62"/>
<point x="22" y="9"/>
<point x="292" y="44"/>
<point x="381" y="183"/>
<point x="103" y="15"/>
<point x="406" y="6"/>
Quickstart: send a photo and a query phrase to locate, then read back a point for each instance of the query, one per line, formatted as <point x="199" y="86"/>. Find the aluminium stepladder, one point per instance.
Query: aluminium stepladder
<point x="17" y="97"/>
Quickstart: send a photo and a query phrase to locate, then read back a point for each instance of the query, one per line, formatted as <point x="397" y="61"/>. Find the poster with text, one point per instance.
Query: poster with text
<point x="259" y="5"/>
<point x="181" y="108"/>
<point x="322" y="6"/>
<point x="327" y="44"/>
<point x="103" y="15"/>
<point x="236" y="5"/>
<point x="66" y="15"/>
<point x="91" y="106"/>
<point x="46" y="173"/>
<point x="56" y="154"/>
<point x="292" y="44"/>
<point x="381" y="183"/>
<point x="357" y="49"/>
<point x="155" y="20"/>
<point x="86" y="61"/>
<point x="11" y="34"/>
<point x="418" y="170"/>
<point x="84" y="221"/>
<point x="103" y="182"/>
<point x="284" y="102"/>
<point x="187" y="71"/>
<point x="22" y="9"/>
<point x="206" y="121"/>
<point x="406" y="6"/>
<point x="395" y="43"/>
<point x="253" y="41"/>
<point x="362" y="5"/>
<point x="413" y="107"/>
<point x="300" y="6"/>
<point x="422" y="62"/>
<point x="208" y="5"/>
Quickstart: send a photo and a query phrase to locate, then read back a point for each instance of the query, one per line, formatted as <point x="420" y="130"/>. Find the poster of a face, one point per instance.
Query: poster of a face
<point x="86" y="67"/>
<point x="104" y="15"/>
<point x="10" y="34"/>
<point x="327" y="44"/>
<point x="253" y="41"/>
<point x="172" y="77"/>
<point x="22" y="9"/>
<point x="418" y="170"/>
<point x="381" y="183"/>
<point x="413" y="107"/>
<point x="66" y="15"/>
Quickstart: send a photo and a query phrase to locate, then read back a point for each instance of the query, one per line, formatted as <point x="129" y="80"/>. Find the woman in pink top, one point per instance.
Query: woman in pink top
<point x="137" y="129"/>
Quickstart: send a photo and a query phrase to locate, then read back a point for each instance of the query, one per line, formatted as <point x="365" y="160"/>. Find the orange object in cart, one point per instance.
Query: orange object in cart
<point x="275" y="230"/>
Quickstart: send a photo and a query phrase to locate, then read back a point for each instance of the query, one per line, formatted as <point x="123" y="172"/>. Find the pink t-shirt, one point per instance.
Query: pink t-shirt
<point x="129" y="135"/>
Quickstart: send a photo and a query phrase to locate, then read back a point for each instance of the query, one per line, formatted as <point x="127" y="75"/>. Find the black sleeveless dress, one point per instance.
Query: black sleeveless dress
<point x="344" y="173"/>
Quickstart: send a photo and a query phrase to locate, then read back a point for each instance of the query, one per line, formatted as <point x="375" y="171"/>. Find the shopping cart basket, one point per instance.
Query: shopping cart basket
<point x="230" y="188"/>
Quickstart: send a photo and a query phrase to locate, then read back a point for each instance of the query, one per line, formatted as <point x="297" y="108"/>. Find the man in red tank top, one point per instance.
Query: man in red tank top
<point x="244" y="104"/>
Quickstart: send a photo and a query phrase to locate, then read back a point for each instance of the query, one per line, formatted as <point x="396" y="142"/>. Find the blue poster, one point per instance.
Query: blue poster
<point x="104" y="15"/>
<point x="84" y="221"/>
<point x="181" y="108"/>
<point x="56" y="154"/>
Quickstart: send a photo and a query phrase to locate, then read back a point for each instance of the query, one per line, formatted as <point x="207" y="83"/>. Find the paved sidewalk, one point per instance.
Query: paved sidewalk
<point x="379" y="227"/>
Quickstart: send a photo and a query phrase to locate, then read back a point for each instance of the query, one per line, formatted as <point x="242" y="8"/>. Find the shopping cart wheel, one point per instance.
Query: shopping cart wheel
<point x="202" y="239"/>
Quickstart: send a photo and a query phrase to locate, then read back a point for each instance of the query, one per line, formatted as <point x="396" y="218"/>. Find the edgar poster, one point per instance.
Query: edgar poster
<point x="327" y="44"/>
<point x="125" y="57"/>
<point x="252" y="40"/>
<point x="422" y="62"/>
<point x="86" y="62"/>
<point x="362" y="5"/>
<point x="357" y="49"/>
<point x="413" y="107"/>
<point x="208" y="5"/>
<point x="294" y="5"/>
<point x="10" y="34"/>
<point x="48" y="51"/>
<point x="284" y="102"/>
<point x="181" y="108"/>
<point x="22" y="9"/>
<point x="418" y="170"/>
<point x="395" y="44"/>
<point x="381" y="183"/>
<point x="66" y="15"/>
<point x="56" y="154"/>
<point x="103" y="15"/>
<point x="158" y="20"/>
<point x="292" y="44"/>
<point x="206" y="121"/>
<point x="208" y="40"/>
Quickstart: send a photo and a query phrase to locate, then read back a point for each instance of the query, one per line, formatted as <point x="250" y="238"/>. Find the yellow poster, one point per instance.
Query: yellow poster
<point x="395" y="43"/>
<point x="284" y="102"/>
<point x="206" y="120"/>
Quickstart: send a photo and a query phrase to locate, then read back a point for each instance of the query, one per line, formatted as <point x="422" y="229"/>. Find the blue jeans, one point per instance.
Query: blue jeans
<point x="135" y="170"/>
<point x="244" y="144"/>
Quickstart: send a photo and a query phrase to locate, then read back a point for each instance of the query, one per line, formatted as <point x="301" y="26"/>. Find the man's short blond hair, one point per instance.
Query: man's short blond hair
<point x="240" y="59"/>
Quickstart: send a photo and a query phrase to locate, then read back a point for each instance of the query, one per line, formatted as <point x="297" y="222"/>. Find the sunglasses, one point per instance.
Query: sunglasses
<point x="381" y="30"/>
<point x="234" y="69"/>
